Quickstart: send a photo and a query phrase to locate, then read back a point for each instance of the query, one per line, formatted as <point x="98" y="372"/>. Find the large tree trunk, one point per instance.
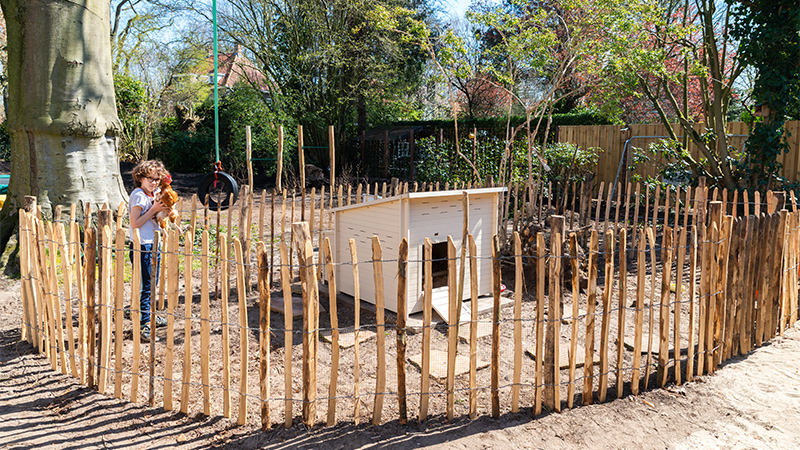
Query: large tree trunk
<point x="62" y="116"/>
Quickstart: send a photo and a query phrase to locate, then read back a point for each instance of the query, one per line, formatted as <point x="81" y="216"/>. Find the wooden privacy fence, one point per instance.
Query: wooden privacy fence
<point x="611" y="140"/>
<point x="688" y="287"/>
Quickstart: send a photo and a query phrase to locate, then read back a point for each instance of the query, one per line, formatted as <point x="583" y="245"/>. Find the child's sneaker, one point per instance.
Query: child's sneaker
<point x="145" y="334"/>
<point x="160" y="322"/>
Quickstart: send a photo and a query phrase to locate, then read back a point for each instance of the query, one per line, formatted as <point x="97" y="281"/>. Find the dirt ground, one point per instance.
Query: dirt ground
<point x="752" y="402"/>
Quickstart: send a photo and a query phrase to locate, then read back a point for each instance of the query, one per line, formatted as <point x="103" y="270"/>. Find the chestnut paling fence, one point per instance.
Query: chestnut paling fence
<point x="647" y="302"/>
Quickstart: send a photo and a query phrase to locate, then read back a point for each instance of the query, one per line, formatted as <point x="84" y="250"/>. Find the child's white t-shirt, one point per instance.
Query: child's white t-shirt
<point x="146" y="231"/>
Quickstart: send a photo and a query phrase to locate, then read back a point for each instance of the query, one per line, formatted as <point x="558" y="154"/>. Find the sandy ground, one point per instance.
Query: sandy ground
<point x="752" y="402"/>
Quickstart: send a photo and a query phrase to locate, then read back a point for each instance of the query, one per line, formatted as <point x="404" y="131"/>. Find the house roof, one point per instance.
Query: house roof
<point x="232" y="68"/>
<point x="426" y="194"/>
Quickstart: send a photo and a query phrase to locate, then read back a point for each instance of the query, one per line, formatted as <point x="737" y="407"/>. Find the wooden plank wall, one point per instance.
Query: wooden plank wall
<point x="610" y="141"/>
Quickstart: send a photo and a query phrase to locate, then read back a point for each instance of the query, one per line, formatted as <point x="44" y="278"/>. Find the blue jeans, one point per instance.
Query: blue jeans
<point x="147" y="268"/>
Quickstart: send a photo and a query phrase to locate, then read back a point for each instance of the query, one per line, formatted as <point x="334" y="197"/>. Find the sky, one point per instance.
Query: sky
<point x="458" y="6"/>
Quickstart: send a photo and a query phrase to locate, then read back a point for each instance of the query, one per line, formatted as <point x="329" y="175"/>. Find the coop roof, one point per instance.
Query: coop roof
<point x="426" y="194"/>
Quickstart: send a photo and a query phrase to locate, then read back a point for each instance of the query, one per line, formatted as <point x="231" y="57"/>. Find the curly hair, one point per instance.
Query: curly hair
<point x="147" y="168"/>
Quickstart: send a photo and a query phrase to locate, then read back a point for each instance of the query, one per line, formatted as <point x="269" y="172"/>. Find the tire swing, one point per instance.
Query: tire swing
<point x="217" y="190"/>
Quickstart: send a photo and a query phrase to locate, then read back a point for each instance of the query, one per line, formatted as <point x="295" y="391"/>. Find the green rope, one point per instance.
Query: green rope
<point x="216" y="83"/>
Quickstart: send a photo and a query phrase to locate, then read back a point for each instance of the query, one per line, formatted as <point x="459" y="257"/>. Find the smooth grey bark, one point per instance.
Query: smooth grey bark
<point x="62" y="117"/>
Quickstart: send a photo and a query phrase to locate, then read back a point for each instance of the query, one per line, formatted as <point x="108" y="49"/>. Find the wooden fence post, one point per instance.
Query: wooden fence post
<point x="264" y="331"/>
<point x="308" y="283"/>
<point x="332" y="307"/>
<point x="380" y="380"/>
<point x="495" y="376"/>
<point x="402" y="264"/>
<point x="552" y="397"/>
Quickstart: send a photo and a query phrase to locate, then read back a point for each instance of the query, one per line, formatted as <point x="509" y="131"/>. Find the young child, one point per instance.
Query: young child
<point x="142" y="209"/>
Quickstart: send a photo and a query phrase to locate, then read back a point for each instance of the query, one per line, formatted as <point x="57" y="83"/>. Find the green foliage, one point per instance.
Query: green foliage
<point x="580" y="118"/>
<point x="193" y="151"/>
<point x="439" y="162"/>
<point x="770" y="41"/>
<point x="132" y="103"/>
<point x="5" y="142"/>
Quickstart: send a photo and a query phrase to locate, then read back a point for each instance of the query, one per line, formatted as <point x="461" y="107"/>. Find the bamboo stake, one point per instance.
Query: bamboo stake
<point x="334" y="317"/>
<point x="402" y="264"/>
<point x="427" y="284"/>
<point x="495" y="377"/>
<point x="188" y="295"/>
<point x="287" y="333"/>
<point x="380" y="380"/>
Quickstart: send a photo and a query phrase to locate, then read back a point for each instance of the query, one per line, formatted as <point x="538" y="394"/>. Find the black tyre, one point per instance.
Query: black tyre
<point x="219" y="193"/>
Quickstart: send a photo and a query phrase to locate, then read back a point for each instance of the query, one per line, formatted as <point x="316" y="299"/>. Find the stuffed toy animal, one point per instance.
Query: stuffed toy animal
<point x="169" y="197"/>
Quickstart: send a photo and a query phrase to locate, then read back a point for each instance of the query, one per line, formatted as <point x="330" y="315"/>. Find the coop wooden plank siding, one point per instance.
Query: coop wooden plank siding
<point x="414" y="216"/>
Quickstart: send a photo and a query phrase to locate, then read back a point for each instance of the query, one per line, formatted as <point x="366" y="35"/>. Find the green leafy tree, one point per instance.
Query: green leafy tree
<point x="769" y="33"/>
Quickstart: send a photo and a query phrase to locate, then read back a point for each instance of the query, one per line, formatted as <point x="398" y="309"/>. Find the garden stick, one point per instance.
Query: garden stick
<point x="271" y="238"/>
<point x="576" y="292"/>
<point x="598" y="207"/>
<point x="279" y="162"/>
<point x="136" y="280"/>
<point x="356" y="329"/>
<point x="334" y="317"/>
<point x="90" y="265"/>
<point x="473" y="328"/>
<point x="308" y="284"/>
<point x="427" y="284"/>
<point x="105" y="312"/>
<point x="261" y="207"/>
<point x="623" y="303"/>
<point x="151" y="394"/>
<point x="226" y="346"/>
<point x="517" y="324"/>
<point x="635" y="226"/>
<point x="540" y="323"/>
<point x="380" y="380"/>
<point x="640" y="294"/>
<point x="663" y="317"/>
<point x="188" y="295"/>
<point x="47" y="297"/>
<point x="552" y="397"/>
<point x="60" y="347"/>
<point x="591" y="300"/>
<point x="678" y="300"/>
<point x="349" y="194"/>
<point x="495" y="377"/>
<point x="701" y="301"/>
<point x="452" y="336"/>
<point x="243" y="332"/>
<point x="653" y="261"/>
<point x="264" y="332"/>
<point x="205" y="325"/>
<point x="193" y="219"/>
<point x="170" y="266"/>
<point x="286" y="287"/>
<point x="609" y="199"/>
<point x="402" y="264"/>
<point x="119" y="293"/>
<point x="606" y="319"/>
<point x="27" y="308"/>
<point x="462" y="267"/>
<point x="66" y="270"/>
<point x="359" y="199"/>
